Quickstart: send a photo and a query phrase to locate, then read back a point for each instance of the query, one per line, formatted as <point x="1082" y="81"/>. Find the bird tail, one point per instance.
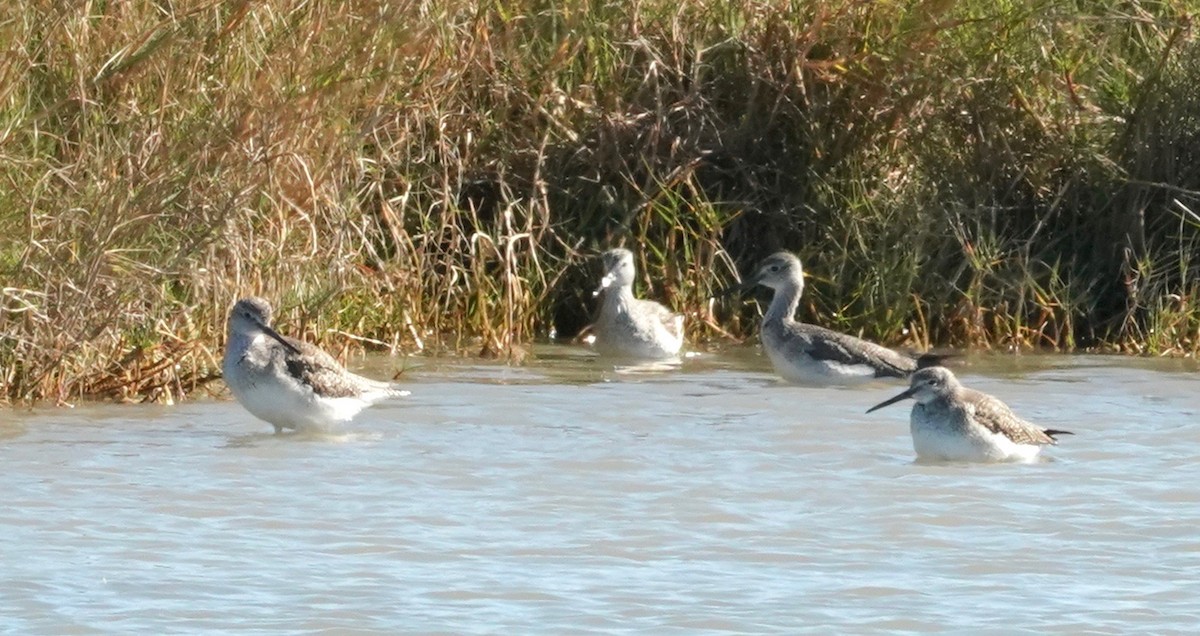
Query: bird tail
<point x="1050" y="432"/>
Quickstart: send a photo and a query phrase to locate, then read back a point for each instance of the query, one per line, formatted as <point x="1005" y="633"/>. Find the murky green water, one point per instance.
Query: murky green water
<point x="566" y="497"/>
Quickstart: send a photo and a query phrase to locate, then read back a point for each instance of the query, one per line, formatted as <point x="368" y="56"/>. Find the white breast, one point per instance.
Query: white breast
<point x="949" y="440"/>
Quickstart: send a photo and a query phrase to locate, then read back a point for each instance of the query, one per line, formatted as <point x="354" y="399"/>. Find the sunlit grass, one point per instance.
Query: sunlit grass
<point x="439" y="176"/>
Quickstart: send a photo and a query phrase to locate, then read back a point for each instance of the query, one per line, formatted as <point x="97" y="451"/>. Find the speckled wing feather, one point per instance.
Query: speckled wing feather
<point x="826" y="344"/>
<point x="665" y="316"/>
<point x="321" y="371"/>
<point x="995" y="415"/>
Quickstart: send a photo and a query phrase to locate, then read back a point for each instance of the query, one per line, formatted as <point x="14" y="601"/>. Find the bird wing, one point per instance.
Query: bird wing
<point x="319" y="370"/>
<point x="995" y="415"/>
<point x="670" y="320"/>
<point x="827" y="344"/>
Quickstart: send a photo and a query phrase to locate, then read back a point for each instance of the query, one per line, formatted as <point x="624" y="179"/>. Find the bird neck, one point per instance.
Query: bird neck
<point x="618" y="295"/>
<point x="784" y="303"/>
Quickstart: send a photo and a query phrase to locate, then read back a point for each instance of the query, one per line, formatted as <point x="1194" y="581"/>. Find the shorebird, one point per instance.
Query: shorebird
<point x="950" y="422"/>
<point x="629" y="326"/>
<point x="810" y="354"/>
<point x="287" y="382"/>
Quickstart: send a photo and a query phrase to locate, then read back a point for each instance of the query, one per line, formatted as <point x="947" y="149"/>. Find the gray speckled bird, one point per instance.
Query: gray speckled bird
<point x="287" y="382"/>
<point x="810" y="354"/>
<point x="950" y="422"/>
<point x="628" y="326"/>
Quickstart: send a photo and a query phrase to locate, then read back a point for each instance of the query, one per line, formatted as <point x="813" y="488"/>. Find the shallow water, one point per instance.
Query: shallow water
<point x="565" y="496"/>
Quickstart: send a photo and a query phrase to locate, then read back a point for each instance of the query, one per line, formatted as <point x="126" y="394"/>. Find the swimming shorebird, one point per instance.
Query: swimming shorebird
<point x="629" y="326"/>
<point x="950" y="422"/>
<point x="810" y="354"/>
<point x="287" y="382"/>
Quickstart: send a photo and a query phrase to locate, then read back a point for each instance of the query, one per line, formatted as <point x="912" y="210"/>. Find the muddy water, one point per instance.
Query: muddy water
<point x="566" y="496"/>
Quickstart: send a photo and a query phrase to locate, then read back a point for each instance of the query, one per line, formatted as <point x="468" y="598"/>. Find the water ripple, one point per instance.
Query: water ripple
<point x="577" y="498"/>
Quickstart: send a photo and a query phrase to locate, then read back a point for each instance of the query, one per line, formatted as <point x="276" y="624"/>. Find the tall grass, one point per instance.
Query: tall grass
<point x="438" y="176"/>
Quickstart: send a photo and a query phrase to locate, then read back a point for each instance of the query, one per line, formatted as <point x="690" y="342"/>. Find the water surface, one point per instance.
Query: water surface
<point x="569" y="496"/>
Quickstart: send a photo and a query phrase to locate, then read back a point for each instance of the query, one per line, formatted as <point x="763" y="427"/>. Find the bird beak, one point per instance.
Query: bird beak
<point x="278" y="338"/>
<point x="903" y="396"/>
<point x="605" y="283"/>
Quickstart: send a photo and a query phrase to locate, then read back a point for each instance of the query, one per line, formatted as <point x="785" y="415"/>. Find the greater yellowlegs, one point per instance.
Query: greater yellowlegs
<point x="950" y="422"/>
<point x="287" y="382"/>
<point x="629" y="326"/>
<point x="810" y="354"/>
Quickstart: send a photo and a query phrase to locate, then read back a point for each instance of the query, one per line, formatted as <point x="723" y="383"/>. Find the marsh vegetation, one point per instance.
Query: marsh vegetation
<point x="439" y="176"/>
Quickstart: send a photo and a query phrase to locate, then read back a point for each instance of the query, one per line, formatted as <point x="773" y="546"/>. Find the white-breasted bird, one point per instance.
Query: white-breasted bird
<point x="950" y="422"/>
<point x="632" y="327"/>
<point x="287" y="382"/>
<point x="810" y="354"/>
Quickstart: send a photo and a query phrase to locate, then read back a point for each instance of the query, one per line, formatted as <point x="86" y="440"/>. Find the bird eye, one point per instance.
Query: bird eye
<point x="774" y="268"/>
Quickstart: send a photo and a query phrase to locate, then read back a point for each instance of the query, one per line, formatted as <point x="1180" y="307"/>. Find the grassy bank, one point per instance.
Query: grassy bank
<point x="439" y="175"/>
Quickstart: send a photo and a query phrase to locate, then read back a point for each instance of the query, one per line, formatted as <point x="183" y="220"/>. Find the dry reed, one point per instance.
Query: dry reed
<point x="436" y="176"/>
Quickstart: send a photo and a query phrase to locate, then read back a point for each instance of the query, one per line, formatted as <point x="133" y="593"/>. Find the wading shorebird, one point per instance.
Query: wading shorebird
<point x="950" y="422"/>
<point x="809" y="354"/>
<point x="287" y="382"/>
<point x="629" y="326"/>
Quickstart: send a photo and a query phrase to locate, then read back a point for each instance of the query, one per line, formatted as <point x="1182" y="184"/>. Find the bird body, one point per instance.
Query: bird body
<point x="803" y="353"/>
<point x="950" y="422"/>
<point x="287" y="382"/>
<point x="806" y="353"/>
<point x="629" y="326"/>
